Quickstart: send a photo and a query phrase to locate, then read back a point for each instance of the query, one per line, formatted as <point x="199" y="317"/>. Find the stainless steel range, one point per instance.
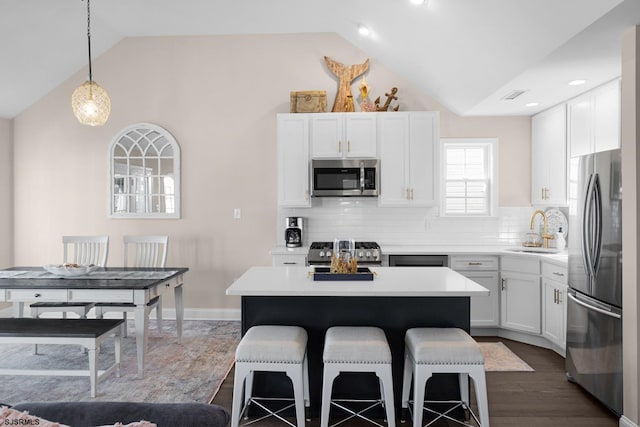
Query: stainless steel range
<point x="367" y="253"/>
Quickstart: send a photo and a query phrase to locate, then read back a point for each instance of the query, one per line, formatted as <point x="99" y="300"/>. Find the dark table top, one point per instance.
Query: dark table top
<point x="17" y="282"/>
<point x="79" y="328"/>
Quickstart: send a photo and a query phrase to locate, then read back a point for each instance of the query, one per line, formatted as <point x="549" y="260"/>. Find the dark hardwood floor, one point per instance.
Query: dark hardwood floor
<point x="523" y="399"/>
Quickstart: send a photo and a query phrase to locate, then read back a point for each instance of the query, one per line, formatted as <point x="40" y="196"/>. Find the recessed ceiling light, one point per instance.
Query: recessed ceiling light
<point x="364" y="30"/>
<point x="531" y="104"/>
<point x="577" y="82"/>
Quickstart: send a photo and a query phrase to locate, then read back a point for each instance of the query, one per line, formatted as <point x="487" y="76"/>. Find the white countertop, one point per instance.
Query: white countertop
<point x="389" y="281"/>
<point x="559" y="258"/>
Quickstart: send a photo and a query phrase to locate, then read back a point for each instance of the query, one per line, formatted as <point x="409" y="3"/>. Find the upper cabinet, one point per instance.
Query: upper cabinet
<point x="408" y="143"/>
<point x="293" y="160"/>
<point x="338" y="135"/>
<point x="549" y="157"/>
<point x="594" y="120"/>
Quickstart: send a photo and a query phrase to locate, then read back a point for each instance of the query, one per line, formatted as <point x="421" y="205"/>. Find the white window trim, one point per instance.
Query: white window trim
<point x="492" y="144"/>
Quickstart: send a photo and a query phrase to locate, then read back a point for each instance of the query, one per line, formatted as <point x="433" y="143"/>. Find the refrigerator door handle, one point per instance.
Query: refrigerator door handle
<point x="590" y="307"/>
<point x="597" y="241"/>
<point x="586" y="230"/>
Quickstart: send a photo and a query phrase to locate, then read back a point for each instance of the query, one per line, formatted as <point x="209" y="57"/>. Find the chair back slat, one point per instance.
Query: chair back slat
<point x="86" y="250"/>
<point x="146" y="251"/>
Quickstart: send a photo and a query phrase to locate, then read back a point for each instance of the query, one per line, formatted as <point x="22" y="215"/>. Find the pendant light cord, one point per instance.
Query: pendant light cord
<point x="89" y="36"/>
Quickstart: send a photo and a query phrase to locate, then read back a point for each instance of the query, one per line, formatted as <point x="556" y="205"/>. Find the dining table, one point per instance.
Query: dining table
<point x="137" y="286"/>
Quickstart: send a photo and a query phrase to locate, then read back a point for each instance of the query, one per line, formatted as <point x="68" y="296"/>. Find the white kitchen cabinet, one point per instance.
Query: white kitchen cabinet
<point x="554" y="308"/>
<point x="293" y="260"/>
<point x="408" y="158"/>
<point x="549" y="157"/>
<point x="594" y="120"/>
<point x="293" y="160"/>
<point x="520" y="302"/>
<point x="338" y="135"/>
<point x="485" y="310"/>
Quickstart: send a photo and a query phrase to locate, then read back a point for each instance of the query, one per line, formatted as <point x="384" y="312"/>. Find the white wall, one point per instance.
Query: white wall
<point x="631" y="183"/>
<point x="218" y="95"/>
<point x="6" y="193"/>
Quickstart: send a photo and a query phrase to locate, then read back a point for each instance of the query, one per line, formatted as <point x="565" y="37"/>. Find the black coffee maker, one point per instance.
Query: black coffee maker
<point x="293" y="231"/>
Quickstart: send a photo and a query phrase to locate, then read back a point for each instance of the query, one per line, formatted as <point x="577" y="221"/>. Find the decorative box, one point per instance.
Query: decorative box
<point x="314" y="101"/>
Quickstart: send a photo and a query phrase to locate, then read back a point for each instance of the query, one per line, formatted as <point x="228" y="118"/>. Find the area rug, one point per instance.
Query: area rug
<point x="191" y="371"/>
<point x="498" y="357"/>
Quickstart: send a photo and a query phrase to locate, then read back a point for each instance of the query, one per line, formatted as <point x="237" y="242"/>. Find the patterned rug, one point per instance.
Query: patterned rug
<point x="191" y="371"/>
<point x="498" y="357"/>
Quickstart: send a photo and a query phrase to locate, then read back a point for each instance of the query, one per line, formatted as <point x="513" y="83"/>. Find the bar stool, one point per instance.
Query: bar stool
<point x="443" y="350"/>
<point x="357" y="349"/>
<point x="273" y="349"/>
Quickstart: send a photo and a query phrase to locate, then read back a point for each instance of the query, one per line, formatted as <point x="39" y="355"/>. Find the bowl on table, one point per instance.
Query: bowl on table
<point x="69" y="270"/>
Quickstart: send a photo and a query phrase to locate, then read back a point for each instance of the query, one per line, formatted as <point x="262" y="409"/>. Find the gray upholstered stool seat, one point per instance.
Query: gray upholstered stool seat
<point x="273" y="349"/>
<point x="443" y="350"/>
<point x="443" y="346"/>
<point x="357" y="349"/>
<point x="277" y="344"/>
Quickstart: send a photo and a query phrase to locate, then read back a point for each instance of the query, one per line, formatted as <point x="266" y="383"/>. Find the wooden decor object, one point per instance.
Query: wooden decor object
<point x="345" y="74"/>
<point x="312" y="101"/>
<point x="391" y="96"/>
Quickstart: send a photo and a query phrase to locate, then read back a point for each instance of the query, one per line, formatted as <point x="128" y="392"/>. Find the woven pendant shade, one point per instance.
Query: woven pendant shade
<point x="91" y="104"/>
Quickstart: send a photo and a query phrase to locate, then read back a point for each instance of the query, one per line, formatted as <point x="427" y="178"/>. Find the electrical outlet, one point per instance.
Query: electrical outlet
<point x="237" y="213"/>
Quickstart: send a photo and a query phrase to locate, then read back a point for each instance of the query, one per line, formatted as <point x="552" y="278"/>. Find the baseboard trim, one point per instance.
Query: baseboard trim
<point x="167" y="313"/>
<point x="626" y="422"/>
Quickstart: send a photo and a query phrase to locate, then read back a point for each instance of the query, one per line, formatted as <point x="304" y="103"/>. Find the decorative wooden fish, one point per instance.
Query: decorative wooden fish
<point x="345" y="74"/>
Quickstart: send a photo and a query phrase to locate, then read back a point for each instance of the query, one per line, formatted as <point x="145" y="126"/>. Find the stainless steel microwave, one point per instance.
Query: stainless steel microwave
<point x="345" y="178"/>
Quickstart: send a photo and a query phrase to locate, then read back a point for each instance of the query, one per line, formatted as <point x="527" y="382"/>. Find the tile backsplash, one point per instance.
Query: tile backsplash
<point x="361" y="219"/>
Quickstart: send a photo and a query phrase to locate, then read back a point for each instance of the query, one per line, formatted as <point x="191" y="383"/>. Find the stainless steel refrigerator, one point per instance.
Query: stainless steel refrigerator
<point x="594" y="303"/>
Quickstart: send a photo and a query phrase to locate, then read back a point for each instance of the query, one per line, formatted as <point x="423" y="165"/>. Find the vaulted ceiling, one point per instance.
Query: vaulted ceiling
<point x="467" y="54"/>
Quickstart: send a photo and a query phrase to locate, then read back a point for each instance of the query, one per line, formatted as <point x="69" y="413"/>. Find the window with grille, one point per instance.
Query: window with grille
<point x="469" y="181"/>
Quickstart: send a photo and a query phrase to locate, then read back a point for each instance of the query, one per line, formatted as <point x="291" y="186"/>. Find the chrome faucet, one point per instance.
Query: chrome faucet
<point x="545" y="233"/>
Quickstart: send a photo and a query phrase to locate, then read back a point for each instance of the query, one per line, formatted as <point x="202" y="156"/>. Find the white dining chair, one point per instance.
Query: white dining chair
<point x="140" y="251"/>
<point x="82" y="250"/>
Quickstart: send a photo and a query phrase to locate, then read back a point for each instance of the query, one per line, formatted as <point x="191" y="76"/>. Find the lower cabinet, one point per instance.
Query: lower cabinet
<point x="485" y="311"/>
<point x="520" y="304"/>
<point x="554" y="306"/>
<point x="298" y="260"/>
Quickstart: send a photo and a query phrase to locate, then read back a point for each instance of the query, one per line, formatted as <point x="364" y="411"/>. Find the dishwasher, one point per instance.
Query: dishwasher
<point x="418" y="260"/>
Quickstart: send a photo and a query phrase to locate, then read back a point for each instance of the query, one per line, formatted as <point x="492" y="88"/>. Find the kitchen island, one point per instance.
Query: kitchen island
<point x="396" y="300"/>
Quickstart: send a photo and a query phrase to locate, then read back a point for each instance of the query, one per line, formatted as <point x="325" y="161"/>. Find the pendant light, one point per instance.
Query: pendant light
<point x="90" y="102"/>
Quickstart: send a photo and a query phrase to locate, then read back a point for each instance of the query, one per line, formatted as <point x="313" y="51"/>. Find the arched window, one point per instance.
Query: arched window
<point x="144" y="173"/>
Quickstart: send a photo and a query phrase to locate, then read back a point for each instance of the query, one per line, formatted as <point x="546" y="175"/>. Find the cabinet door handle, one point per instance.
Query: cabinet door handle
<point x="503" y="282"/>
<point x="339" y="146"/>
<point x="290" y="263"/>
<point x="555" y="296"/>
<point x="475" y="263"/>
<point x="348" y="146"/>
<point x="37" y="295"/>
<point x="412" y="194"/>
<point x="558" y="274"/>
<point x="542" y="193"/>
<point x="407" y="195"/>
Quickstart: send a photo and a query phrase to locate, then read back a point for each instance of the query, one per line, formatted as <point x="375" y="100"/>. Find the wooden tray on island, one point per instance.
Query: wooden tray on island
<point x="324" y="274"/>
